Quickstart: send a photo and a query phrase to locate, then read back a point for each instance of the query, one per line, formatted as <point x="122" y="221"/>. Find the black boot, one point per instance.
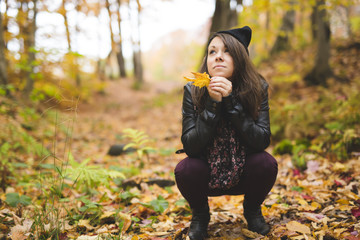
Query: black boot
<point x="199" y="223"/>
<point x="255" y="219"/>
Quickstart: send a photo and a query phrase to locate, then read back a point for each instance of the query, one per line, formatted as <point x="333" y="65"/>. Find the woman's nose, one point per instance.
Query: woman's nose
<point x="219" y="56"/>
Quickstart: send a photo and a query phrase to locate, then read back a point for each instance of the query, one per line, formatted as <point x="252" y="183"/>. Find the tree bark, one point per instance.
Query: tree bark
<point x="348" y="23"/>
<point x="76" y="60"/>
<point x="113" y="44"/>
<point x="5" y="23"/>
<point x="120" y="56"/>
<point x="314" y="25"/>
<point x="30" y="46"/>
<point x="66" y="23"/>
<point x="138" y="67"/>
<point x="3" y="68"/>
<point x="267" y="22"/>
<point x="224" y="17"/>
<point x="287" y="27"/>
<point x="321" y="71"/>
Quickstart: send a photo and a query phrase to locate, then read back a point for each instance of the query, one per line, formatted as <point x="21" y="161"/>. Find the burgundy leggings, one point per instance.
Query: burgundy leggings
<point x="258" y="177"/>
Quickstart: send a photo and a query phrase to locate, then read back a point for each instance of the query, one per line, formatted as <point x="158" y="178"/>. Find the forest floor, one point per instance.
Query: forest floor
<point x="320" y="203"/>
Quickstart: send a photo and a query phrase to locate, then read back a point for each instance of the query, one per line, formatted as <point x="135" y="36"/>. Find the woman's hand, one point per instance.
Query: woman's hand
<point x="219" y="87"/>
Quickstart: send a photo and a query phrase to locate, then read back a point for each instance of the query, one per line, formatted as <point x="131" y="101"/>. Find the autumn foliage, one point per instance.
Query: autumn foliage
<point x="58" y="180"/>
<point x="200" y="79"/>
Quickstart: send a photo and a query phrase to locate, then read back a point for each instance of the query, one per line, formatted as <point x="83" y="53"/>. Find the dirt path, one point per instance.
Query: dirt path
<point x="155" y="109"/>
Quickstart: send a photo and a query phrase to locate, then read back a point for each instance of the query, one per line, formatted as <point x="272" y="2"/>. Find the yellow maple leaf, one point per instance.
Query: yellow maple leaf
<point x="200" y="80"/>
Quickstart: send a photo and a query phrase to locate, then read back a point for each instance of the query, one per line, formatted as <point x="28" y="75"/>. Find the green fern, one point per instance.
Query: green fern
<point x="90" y="176"/>
<point x="139" y="141"/>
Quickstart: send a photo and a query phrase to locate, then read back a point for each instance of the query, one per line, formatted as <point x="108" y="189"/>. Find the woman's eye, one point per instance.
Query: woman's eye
<point x="211" y="51"/>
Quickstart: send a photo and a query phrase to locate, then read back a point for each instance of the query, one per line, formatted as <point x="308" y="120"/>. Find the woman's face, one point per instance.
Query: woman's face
<point x="219" y="61"/>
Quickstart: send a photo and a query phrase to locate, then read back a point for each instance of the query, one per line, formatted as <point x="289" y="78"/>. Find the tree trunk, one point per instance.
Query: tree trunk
<point x="348" y="23"/>
<point x="267" y="23"/>
<point x="121" y="60"/>
<point x="31" y="52"/>
<point x="287" y="27"/>
<point x="3" y="69"/>
<point x="321" y="71"/>
<point x="224" y="17"/>
<point x="76" y="63"/>
<point x="138" y="67"/>
<point x="301" y="14"/>
<point x="113" y="45"/>
<point x="66" y="23"/>
<point x="5" y="23"/>
<point x="314" y="25"/>
<point x="119" y="55"/>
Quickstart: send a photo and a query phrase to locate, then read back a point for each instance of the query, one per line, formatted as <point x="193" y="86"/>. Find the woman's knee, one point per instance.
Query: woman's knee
<point x="191" y="168"/>
<point x="263" y="162"/>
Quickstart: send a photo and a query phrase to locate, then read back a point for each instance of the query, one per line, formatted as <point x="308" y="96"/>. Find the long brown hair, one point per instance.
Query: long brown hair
<point x="246" y="81"/>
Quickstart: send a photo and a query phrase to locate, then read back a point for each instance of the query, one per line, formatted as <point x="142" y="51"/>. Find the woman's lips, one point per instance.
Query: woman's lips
<point x="219" y="66"/>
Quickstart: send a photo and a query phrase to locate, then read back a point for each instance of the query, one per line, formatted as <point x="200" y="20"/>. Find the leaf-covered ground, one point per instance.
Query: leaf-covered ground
<point x="320" y="203"/>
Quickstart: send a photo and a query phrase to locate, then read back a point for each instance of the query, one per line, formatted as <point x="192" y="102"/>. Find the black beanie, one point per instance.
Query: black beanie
<point x="243" y="35"/>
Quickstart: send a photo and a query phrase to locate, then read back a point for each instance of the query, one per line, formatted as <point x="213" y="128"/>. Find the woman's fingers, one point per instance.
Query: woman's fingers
<point x="224" y="92"/>
<point x="221" y="85"/>
<point x="214" y="94"/>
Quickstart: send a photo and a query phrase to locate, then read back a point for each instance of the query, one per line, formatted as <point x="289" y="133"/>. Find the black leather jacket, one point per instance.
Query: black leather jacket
<point x="198" y="129"/>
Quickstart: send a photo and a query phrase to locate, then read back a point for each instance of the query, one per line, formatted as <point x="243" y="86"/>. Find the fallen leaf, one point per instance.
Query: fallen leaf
<point x="85" y="223"/>
<point x="200" y="80"/>
<point x="339" y="231"/>
<point x="18" y="232"/>
<point x="250" y="234"/>
<point x="312" y="166"/>
<point x="298" y="227"/>
<point x="85" y="237"/>
<point x="127" y="221"/>
<point x="315" y="217"/>
<point x="102" y="230"/>
<point x="343" y="201"/>
<point x="339" y="167"/>
<point x="316" y="205"/>
<point x="355" y="212"/>
<point x="107" y="217"/>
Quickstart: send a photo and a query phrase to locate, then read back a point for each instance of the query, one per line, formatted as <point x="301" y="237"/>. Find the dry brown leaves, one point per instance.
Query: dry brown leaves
<point x="321" y="203"/>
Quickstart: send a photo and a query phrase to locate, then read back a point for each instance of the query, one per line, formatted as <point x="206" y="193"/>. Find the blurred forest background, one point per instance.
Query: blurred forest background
<point x="90" y="116"/>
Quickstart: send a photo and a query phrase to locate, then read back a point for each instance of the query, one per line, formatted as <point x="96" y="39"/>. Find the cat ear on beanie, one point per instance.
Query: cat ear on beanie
<point x="243" y="35"/>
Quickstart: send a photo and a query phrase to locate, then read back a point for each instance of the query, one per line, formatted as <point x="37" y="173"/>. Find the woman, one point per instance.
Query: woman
<point x="225" y="130"/>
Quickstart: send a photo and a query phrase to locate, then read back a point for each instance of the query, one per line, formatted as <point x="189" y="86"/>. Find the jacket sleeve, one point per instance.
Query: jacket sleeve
<point x="254" y="133"/>
<point x="198" y="128"/>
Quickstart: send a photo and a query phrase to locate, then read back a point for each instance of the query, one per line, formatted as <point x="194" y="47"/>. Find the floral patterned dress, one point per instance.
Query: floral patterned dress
<point x="226" y="157"/>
